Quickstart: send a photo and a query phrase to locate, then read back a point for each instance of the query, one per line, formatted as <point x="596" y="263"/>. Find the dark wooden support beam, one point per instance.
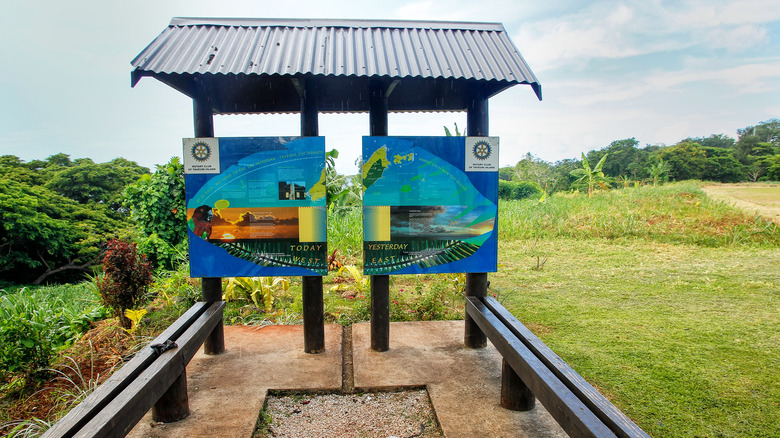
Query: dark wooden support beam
<point x="476" y="283"/>
<point x="203" y="119"/>
<point x="313" y="311"/>
<point x="515" y="395"/>
<point x="380" y="284"/>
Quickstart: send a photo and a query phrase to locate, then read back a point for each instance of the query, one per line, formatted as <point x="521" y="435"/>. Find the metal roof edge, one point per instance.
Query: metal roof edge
<point x="346" y="23"/>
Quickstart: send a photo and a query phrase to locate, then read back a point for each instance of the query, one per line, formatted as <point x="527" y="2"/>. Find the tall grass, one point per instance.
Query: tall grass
<point x="36" y="323"/>
<point x="675" y="213"/>
<point x="345" y="232"/>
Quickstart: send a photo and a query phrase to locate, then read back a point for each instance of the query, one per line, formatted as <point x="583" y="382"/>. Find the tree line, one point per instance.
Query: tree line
<point x="753" y="156"/>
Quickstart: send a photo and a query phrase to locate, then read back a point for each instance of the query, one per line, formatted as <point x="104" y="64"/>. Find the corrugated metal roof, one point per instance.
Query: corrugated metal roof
<point x="336" y="48"/>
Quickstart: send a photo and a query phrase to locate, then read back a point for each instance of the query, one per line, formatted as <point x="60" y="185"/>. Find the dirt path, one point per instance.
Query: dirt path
<point x="762" y="199"/>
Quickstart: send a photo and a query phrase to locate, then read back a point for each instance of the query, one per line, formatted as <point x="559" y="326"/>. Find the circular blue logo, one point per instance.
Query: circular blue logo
<point x="201" y="151"/>
<point x="482" y="150"/>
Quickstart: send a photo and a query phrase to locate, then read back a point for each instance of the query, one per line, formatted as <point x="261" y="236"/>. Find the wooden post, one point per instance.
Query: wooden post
<point x="212" y="292"/>
<point x="476" y="283"/>
<point x="515" y="395"/>
<point x="203" y="118"/>
<point x="313" y="312"/>
<point x="174" y="403"/>
<point x="380" y="284"/>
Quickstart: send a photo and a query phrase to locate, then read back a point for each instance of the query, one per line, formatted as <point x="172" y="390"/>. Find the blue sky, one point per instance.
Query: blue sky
<point x="655" y="70"/>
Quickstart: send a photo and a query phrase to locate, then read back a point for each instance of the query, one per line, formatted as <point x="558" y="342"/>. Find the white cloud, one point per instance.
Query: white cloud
<point x="738" y="38"/>
<point x="602" y="30"/>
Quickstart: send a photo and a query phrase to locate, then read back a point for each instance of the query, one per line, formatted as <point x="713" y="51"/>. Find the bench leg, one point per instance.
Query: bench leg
<point x="215" y="342"/>
<point x="174" y="403"/>
<point x="515" y="395"/>
<point x="476" y="286"/>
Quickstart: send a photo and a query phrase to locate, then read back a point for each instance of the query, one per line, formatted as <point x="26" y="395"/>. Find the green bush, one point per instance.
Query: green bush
<point x="516" y="190"/>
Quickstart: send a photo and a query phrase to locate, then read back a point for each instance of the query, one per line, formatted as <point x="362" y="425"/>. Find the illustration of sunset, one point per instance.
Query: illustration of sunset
<point x="230" y="224"/>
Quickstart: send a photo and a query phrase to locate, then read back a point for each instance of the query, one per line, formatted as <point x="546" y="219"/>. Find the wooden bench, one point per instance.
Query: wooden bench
<point x="577" y="406"/>
<point x="118" y="405"/>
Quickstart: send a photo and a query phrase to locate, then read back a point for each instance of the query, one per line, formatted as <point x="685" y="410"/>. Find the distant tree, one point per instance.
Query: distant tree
<point x="87" y="182"/>
<point x="562" y="174"/>
<point x="714" y="141"/>
<point x="625" y="158"/>
<point x="686" y="160"/>
<point x="749" y="145"/>
<point x="722" y="166"/>
<point x="773" y="168"/>
<point x="533" y="169"/>
<point x="506" y="173"/>
<point x="53" y="228"/>
<point x="43" y="234"/>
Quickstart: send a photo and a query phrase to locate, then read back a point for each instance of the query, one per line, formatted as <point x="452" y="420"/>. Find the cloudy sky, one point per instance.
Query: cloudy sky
<point x="655" y="70"/>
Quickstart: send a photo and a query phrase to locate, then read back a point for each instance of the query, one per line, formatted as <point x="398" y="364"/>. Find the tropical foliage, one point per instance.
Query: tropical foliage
<point x="51" y="231"/>
<point x="156" y="203"/>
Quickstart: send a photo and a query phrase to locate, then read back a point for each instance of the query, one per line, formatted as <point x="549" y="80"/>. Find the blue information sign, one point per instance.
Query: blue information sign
<point x="256" y="206"/>
<point x="430" y="204"/>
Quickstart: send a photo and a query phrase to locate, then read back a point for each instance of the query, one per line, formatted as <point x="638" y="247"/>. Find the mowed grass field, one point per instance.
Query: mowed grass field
<point x="759" y="198"/>
<point x="664" y="299"/>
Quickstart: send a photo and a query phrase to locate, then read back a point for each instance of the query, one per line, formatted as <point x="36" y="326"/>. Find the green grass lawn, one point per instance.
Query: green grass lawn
<point x="682" y="338"/>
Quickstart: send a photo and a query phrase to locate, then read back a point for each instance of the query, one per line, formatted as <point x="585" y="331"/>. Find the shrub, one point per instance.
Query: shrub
<point x="126" y="279"/>
<point x="35" y="324"/>
<point x="509" y="190"/>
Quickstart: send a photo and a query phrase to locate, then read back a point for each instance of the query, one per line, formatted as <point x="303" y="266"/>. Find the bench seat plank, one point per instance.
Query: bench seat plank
<point x="573" y="416"/>
<point x="613" y="417"/>
<point x="121" y="381"/>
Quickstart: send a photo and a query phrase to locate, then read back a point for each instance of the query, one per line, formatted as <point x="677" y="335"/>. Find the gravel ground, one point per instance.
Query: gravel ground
<point x="402" y="414"/>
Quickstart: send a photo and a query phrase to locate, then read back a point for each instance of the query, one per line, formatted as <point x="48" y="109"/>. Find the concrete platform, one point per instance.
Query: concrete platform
<point x="226" y="392"/>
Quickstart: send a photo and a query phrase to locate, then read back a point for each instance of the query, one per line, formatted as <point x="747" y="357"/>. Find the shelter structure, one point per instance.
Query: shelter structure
<point x="266" y="66"/>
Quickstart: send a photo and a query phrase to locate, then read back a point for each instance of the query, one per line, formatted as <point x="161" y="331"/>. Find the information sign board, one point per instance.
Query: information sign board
<point x="256" y="206"/>
<point x="430" y="204"/>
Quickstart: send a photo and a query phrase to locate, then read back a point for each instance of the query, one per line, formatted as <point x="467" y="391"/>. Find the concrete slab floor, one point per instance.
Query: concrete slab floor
<point x="226" y="392"/>
<point x="464" y="384"/>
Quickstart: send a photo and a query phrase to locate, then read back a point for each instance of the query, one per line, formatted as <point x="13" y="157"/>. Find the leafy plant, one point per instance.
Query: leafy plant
<point x="658" y="171"/>
<point x="591" y="177"/>
<point x="135" y="316"/>
<point x="359" y="285"/>
<point x="36" y="324"/>
<point x="126" y="279"/>
<point x="157" y="206"/>
<point x="259" y="290"/>
<point x="449" y="133"/>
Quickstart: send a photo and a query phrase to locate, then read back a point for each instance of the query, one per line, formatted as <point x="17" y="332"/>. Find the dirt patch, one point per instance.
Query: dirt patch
<point x="761" y="199"/>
